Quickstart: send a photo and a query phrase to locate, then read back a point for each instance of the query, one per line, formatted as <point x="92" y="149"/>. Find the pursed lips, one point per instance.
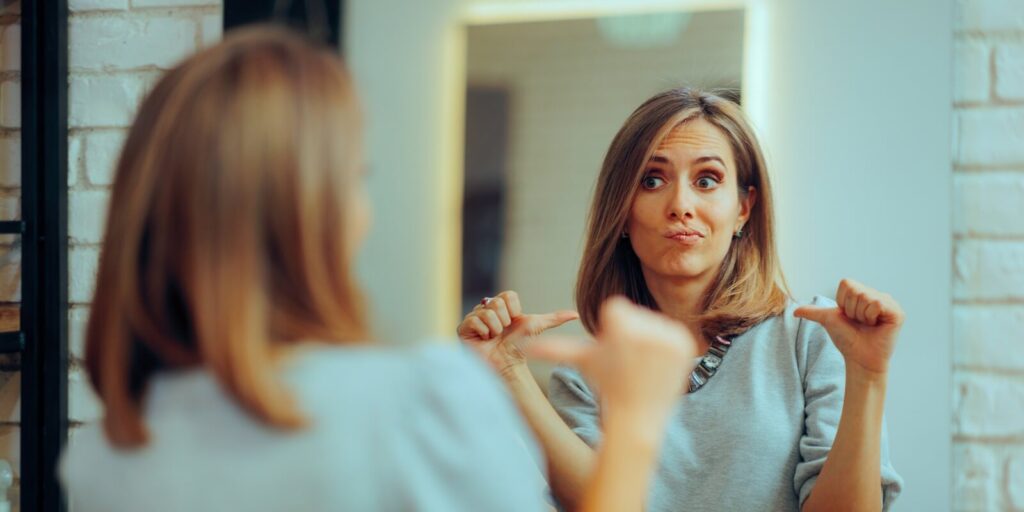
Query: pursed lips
<point x="685" y="236"/>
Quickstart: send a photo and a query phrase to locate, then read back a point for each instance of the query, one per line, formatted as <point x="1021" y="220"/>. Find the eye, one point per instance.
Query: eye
<point x="707" y="182"/>
<point x="652" y="182"/>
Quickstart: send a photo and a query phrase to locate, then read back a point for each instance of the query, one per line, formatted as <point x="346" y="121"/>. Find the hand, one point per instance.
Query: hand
<point x="863" y="326"/>
<point x="639" y="363"/>
<point x="496" y="329"/>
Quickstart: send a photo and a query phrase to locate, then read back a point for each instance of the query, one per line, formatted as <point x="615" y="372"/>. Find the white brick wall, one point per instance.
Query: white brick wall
<point x="104" y="148"/>
<point x="110" y="42"/>
<point x="10" y="247"/>
<point x="76" y="6"/>
<point x="10" y="59"/>
<point x="989" y="16"/>
<point x="971" y="74"/>
<point x="10" y="162"/>
<point x="117" y="51"/>
<point x="988" y="272"/>
<point x="1009" y="61"/>
<point x="10" y="104"/>
<point x="106" y="99"/>
<point x="989" y="204"/>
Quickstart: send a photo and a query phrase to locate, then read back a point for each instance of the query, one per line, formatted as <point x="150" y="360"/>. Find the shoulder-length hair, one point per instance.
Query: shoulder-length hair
<point x="227" y="236"/>
<point x="749" y="285"/>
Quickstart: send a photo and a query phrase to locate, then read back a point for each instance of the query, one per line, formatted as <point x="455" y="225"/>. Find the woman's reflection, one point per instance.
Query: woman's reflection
<point x="682" y="222"/>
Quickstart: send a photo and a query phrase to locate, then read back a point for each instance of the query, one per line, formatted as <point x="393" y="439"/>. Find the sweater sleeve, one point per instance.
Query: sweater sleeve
<point x="576" y="404"/>
<point x="824" y="379"/>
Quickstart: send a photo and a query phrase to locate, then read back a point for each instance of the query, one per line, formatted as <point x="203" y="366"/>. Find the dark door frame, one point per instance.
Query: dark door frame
<point x="42" y="339"/>
<point x="322" y="20"/>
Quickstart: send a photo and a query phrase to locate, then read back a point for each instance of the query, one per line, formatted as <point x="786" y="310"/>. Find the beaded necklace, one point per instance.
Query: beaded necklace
<point x="709" y="364"/>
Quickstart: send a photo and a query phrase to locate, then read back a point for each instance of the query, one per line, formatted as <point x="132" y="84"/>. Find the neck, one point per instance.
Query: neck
<point x="681" y="299"/>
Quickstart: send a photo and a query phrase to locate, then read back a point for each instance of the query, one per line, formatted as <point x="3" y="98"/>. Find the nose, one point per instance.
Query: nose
<point x="681" y="203"/>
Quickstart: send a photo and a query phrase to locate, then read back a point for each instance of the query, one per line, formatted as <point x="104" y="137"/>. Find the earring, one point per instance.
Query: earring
<point x="738" y="234"/>
<point x="625" y="235"/>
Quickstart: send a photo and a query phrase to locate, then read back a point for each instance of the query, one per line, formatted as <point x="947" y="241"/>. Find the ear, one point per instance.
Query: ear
<point x="747" y="202"/>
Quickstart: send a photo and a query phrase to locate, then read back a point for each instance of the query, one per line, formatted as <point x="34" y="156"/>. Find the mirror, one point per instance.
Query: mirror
<point x="543" y="101"/>
<point x="854" y="115"/>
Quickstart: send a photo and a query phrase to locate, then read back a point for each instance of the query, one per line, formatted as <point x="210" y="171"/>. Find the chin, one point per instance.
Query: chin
<point x="682" y="270"/>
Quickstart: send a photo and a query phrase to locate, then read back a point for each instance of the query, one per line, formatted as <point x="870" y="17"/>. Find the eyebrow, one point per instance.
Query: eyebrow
<point x="712" y="158"/>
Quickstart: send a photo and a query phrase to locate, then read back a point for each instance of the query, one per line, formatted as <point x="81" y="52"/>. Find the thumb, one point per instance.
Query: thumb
<point x="559" y="349"/>
<point x="539" y="323"/>
<point x="827" y="317"/>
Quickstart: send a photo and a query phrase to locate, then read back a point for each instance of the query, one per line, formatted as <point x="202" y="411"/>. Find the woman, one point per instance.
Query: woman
<point x="682" y="222"/>
<point x="228" y="343"/>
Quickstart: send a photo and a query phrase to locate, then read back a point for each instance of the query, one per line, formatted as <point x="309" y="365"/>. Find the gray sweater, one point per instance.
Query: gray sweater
<point x="421" y="429"/>
<point x="756" y="436"/>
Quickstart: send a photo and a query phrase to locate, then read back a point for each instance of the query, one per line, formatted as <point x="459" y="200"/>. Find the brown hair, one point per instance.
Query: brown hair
<point x="226" y="237"/>
<point x="749" y="286"/>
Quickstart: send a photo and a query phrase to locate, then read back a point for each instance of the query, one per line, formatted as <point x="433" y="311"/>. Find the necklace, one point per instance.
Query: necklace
<point x="709" y="364"/>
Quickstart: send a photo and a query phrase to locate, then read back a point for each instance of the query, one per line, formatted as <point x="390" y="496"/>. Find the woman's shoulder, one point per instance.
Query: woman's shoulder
<point x="383" y="359"/>
<point x="786" y="325"/>
<point x="804" y="339"/>
<point x="433" y="359"/>
<point x="438" y="397"/>
<point x="436" y="369"/>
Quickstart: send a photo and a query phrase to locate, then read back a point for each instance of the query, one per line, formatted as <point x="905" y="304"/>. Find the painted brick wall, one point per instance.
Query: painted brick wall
<point x="10" y="246"/>
<point x="117" y="48"/>
<point x="988" y="271"/>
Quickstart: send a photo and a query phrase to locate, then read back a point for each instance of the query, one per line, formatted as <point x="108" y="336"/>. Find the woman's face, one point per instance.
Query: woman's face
<point x="688" y="206"/>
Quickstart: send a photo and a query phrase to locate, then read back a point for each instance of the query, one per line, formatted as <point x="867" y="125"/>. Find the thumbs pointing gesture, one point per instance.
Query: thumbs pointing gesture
<point x="863" y="325"/>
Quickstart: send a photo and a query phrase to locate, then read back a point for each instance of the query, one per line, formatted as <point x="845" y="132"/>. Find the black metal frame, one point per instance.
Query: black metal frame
<point x="299" y="14"/>
<point x="44" y="295"/>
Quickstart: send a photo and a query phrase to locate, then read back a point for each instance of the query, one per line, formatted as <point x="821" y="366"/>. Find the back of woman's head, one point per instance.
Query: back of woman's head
<point x="230" y="231"/>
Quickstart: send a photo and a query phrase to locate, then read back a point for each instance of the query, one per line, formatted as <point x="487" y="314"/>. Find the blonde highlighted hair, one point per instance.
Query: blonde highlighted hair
<point x="749" y="286"/>
<point x="227" y="237"/>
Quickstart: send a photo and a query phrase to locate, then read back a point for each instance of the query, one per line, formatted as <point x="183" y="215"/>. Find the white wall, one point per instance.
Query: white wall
<point x="407" y="61"/>
<point x="855" y="115"/>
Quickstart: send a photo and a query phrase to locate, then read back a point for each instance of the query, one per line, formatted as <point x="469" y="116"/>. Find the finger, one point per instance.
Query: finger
<point x="872" y="312"/>
<point x="853" y="286"/>
<point x="841" y="292"/>
<point x="559" y="349"/>
<point x="850" y="305"/>
<point x="891" y="312"/>
<point x="824" y="316"/>
<point x="498" y="306"/>
<point x="474" y="326"/>
<point x="489" y="317"/>
<point x="515" y="309"/>
<point x="863" y="302"/>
